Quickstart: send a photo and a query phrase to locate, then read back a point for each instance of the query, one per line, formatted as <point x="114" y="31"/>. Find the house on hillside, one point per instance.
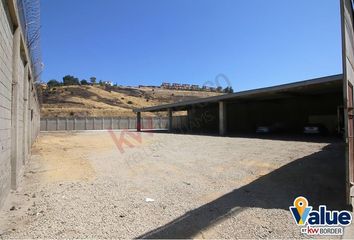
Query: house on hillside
<point x="108" y="83"/>
<point x="195" y="87"/>
<point x="176" y="86"/>
<point x="166" y="85"/>
<point x="186" y="86"/>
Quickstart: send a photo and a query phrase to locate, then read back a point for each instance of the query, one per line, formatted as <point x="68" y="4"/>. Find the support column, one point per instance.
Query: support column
<point x="188" y="121"/>
<point x="16" y="59"/>
<point x="138" y="121"/>
<point x="29" y="107"/>
<point x="222" y="118"/>
<point x="25" y="115"/>
<point x="170" y="120"/>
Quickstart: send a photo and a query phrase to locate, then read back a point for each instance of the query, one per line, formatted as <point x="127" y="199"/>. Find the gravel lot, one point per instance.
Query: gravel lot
<point x="81" y="185"/>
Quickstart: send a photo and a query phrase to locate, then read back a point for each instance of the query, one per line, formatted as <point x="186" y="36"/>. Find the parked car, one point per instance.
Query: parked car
<point x="277" y="127"/>
<point x="315" y="129"/>
<point x="263" y="129"/>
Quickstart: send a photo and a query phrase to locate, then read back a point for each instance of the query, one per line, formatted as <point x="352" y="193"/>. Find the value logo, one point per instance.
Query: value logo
<point x="321" y="221"/>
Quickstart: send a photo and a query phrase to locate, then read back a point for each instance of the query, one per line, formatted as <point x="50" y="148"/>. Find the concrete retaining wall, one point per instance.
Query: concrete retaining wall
<point x="100" y="123"/>
<point x="19" y="106"/>
<point x="180" y="123"/>
<point x="105" y="123"/>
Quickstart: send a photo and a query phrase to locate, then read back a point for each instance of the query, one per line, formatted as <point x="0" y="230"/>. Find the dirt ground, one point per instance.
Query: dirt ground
<point x="85" y="185"/>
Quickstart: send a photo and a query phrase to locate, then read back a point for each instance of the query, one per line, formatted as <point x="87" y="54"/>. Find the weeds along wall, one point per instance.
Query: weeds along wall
<point x="19" y="106"/>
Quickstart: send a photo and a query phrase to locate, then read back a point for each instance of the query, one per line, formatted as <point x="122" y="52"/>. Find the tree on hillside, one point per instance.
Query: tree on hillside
<point x="70" y="80"/>
<point x="101" y="83"/>
<point x="228" y="90"/>
<point x="93" y="80"/>
<point x="83" y="82"/>
<point x="53" y="83"/>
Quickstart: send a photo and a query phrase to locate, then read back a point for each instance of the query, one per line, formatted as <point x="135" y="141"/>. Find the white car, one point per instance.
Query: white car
<point x="315" y="129"/>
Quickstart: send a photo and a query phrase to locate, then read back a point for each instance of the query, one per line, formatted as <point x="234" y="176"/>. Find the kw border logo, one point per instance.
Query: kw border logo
<point x="321" y="221"/>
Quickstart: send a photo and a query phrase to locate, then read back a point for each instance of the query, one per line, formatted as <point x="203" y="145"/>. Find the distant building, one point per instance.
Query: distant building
<point x="195" y="87"/>
<point x="43" y="85"/>
<point x="176" y="86"/>
<point x="166" y="85"/>
<point x="108" y="83"/>
<point x="206" y="88"/>
<point x="186" y="86"/>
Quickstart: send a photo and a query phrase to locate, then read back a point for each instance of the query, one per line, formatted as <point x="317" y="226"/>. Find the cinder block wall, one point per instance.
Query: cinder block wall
<point x="19" y="106"/>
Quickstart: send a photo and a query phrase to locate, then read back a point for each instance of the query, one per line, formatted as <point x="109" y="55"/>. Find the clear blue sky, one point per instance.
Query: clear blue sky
<point x="254" y="43"/>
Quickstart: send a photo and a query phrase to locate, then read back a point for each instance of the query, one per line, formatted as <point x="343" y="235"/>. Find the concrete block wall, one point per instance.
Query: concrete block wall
<point x="6" y="37"/>
<point x="19" y="106"/>
<point x="104" y="123"/>
<point x="180" y="123"/>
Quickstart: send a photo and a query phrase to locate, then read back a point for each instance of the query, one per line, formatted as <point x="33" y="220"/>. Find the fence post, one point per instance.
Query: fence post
<point x="118" y="123"/>
<point x="85" y="123"/>
<point x="66" y="124"/>
<point x="102" y="123"/>
<point x="74" y="123"/>
<point x="46" y="124"/>
<point x="128" y="122"/>
<point x="111" y="123"/>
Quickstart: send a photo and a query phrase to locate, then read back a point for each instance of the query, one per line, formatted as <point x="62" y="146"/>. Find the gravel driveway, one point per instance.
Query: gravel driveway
<point x="84" y="185"/>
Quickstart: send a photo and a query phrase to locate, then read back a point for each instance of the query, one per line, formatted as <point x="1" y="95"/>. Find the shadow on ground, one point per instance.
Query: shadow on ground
<point x="281" y="137"/>
<point x="319" y="177"/>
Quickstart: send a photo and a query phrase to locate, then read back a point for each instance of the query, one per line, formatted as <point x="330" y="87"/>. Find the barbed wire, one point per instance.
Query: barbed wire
<point x="29" y="14"/>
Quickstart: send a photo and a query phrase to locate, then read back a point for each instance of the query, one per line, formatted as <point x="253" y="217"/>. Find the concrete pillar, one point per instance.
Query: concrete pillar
<point x="25" y="115"/>
<point x="14" y="109"/>
<point x="170" y="120"/>
<point x="29" y="139"/>
<point x="188" y="119"/>
<point x="138" y="121"/>
<point x="222" y="118"/>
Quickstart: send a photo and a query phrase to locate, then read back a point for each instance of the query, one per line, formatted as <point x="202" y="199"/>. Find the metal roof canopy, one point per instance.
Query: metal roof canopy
<point x="329" y="84"/>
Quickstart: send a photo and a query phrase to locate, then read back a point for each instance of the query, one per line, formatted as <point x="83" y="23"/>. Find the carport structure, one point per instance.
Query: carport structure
<point x="327" y="100"/>
<point x="290" y="106"/>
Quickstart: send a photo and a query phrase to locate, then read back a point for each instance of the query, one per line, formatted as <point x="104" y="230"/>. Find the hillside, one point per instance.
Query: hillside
<point x="94" y="101"/>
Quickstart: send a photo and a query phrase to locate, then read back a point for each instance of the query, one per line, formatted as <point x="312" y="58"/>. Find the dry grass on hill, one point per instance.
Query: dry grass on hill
<point x="95" y="101"/>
